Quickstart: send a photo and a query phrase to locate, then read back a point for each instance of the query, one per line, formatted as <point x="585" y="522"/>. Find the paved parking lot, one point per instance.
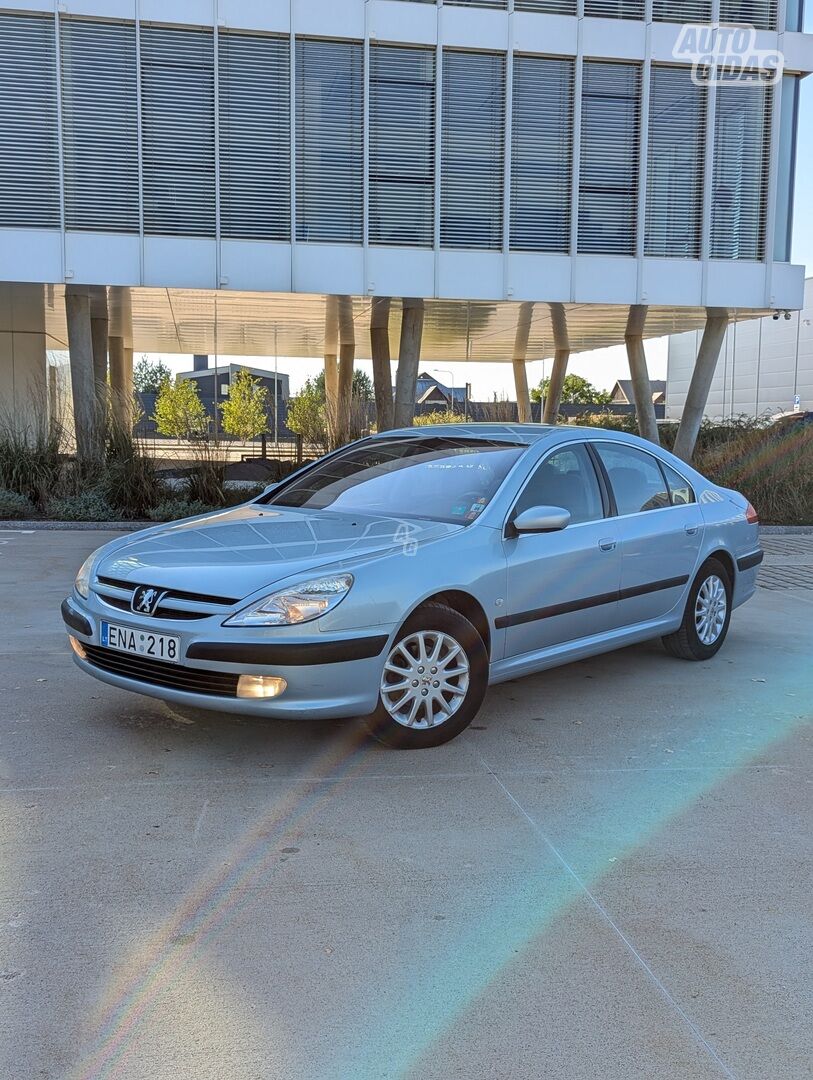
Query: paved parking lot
<point x="608" y="876"/>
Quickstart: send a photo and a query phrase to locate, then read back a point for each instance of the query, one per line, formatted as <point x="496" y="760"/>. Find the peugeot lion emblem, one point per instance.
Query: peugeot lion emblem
<point x="145" y="600"/>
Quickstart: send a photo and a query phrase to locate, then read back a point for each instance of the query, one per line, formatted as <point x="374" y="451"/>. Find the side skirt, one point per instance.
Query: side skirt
<point x="514" y="667"/>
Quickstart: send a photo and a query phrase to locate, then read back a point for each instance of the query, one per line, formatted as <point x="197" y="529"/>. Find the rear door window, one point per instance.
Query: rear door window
<point x="635" y="477"/>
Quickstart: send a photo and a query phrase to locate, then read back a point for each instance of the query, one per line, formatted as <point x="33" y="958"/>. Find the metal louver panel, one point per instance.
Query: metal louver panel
<point x="499" y="5"/>
<point x="178" y="139"/>
<point x="541" y="149"/>
<point x="761" y="14"/>
<point x="473" y="149"/>
<point x="99" y="125"/>
<point x="739" y="192"/>
<point x="547" y="7"/>
<point x="681" y="11"/>
<point x="608" y="177"/>
<point x="402" y="145"/>
<point x="29" y="145"/>
<point x="615" y="9"/>
<point x="674" y="198"/>
<point x="329" y="141"/>
<point x="255" y="139"/>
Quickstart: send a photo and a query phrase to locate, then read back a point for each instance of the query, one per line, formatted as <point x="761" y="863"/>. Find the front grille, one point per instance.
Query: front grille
<point x="174" y="604"/>
<point x="157" y="673"/>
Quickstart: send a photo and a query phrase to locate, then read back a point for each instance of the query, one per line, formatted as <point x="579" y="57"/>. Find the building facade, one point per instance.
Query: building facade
<point x="478" y="155"/>
<point x="765" y="367"/>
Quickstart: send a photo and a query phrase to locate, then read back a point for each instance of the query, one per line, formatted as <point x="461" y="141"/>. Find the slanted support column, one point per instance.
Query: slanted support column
<point x="80" y="344"/>
<point x="409" y="357"/>
<point x="120" y="354"/>
<point x="380" y="352"/>
<point x="641" y="386"/>
<point x="347" y="359"/>
<point x="520" y="353"/>
<point x="698" y="394"/>
<point x="331" y="365"/>
<point x="99" y="330"/>
<point x="561" y="355"/>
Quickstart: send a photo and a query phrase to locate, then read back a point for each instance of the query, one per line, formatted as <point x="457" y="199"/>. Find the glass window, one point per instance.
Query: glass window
<point x="329" y="141"/>
<point x="566" y="478"/>
<point x="473" y="150"/>
<point x="541" y="150"/>
<point x="739" y="196"/>
<point x="674" y="197"/>
<point x="679" y="489"/>
<point x="635" y="477"/>
<point x="608" y="172"/>
<point x="402" y="145"/>
<point x="443" y="479"/>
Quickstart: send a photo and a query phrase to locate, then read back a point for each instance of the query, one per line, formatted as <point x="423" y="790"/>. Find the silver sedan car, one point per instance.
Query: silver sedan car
<point x="398" y="577"/>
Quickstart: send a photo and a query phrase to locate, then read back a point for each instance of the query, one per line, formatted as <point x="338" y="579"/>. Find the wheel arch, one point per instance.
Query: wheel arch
<point x="721" y="555"/>
<point x="466" y="605"/>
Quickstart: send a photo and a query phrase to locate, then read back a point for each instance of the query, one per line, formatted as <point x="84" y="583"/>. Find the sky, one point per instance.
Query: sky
<point x="604" y="366"/>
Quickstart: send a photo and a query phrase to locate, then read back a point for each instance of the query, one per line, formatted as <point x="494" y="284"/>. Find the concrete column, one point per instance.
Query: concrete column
<point x="331" y="365"/>
<point x="380" y="352"/>
<point x="120" y="354"/>
<point x="561" y="355"/>
<point x="409" y="357"/>
<point x="83" y="391"/>
<point x="99" y="329"/>
<point x="23" y="362"/>
<point x="526" y="311"/>
<point x="347" y="361"/>
<point x="641" y="386"/>
<point x="703" y="373"/>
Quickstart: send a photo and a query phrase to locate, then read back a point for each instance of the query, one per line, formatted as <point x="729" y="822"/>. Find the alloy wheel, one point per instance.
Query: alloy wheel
<point x="710" y="610"/>
<point x="425" y="679"/>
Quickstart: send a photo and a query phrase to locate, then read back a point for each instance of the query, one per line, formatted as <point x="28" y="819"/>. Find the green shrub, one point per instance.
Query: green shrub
<point x="129" y="482"/>
<point x="175" y="509"/>
<point x="89" y="505"/>
<point x="15" y="507"/>
<point x="439" y="416"/>
<point x="29" y="460"/>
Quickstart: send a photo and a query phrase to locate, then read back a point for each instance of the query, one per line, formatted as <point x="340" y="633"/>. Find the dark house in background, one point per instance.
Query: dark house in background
<point x="205" y="377"/>
<point x="433" y="394"/>
<point x="622" y="392"/>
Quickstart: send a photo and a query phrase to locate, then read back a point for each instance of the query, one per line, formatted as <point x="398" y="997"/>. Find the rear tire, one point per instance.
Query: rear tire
<point x="434" y="680"/>
<point x="707" y="615"/>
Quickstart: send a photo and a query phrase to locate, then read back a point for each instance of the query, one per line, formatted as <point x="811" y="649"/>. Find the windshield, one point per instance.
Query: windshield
<point x="443" y="479"/>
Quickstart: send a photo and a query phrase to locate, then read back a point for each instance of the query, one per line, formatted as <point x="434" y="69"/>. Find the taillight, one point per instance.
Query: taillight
<point x="751" y="516"/>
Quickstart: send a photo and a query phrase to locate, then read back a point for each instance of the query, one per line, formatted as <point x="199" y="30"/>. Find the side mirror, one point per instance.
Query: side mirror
<point x="538" y="519"/>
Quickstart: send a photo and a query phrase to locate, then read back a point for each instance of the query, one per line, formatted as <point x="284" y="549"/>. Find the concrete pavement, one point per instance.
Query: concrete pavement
<point x="609" y="875"/>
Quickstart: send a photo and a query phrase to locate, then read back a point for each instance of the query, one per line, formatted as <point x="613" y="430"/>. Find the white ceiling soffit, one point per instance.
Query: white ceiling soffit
<point x="247" y="324"/>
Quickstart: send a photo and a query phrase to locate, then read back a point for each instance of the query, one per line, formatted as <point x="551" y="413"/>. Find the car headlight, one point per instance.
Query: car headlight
<point x="82" y="582"/>
<point x="296" y="604"/>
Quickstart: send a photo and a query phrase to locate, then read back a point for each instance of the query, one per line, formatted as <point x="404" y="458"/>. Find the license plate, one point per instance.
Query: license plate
<point x="141" y="642"/>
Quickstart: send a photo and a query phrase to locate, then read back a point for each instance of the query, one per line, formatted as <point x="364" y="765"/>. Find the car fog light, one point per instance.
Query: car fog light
<point x="77" y="647"/>
<point x="260" y="686"/>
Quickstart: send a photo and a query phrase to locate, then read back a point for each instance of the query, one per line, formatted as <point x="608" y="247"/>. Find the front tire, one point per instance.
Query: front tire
<point x="434" y="680"/>
<point x="707" y="615"/>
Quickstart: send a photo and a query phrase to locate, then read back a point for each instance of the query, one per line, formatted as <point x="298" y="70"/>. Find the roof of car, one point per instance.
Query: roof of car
<point x="516" y="433"/>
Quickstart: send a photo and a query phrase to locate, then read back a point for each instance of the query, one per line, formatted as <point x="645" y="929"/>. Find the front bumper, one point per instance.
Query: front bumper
<point x="328" y="676"/>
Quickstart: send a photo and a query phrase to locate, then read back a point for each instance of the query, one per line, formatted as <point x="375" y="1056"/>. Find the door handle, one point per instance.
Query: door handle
<point x="607" y="545"/>
<point x="690" y="530"/>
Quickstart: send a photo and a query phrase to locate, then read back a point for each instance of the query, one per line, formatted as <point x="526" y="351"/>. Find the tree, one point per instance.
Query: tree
<point x="179" y="412"/>
<point x="148" y="375"/>
<point x="576" y="391"/>
<point x="306" y="413"/>
<point x="361" y="390"/>
<point x="245" y="411"/>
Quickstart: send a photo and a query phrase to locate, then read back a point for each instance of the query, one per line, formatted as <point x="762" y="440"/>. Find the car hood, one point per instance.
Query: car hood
<point x="235" y="553"/>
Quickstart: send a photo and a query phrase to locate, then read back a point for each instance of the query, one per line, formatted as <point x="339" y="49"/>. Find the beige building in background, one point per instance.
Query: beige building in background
<point x="764" y="365"/>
